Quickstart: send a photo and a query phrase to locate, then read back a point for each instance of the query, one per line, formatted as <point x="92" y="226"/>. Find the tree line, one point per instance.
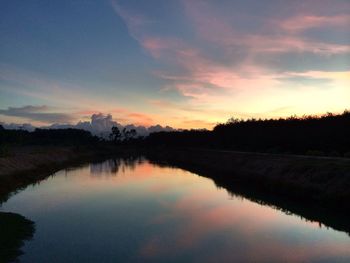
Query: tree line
<point x="47" y="137"/>
<point x="328" y="134"/>
<point x="312" y="135"/>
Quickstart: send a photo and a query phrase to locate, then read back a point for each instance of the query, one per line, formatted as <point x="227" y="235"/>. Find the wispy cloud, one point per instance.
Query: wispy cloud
<point x="209" y="61"/>
<point x="303" y="22"/>
<point x="70" y="97"/>
<point x="36" y="85"/>
<point x="239" y="61"/>
<point x="42" y="113"/>
<point x="270" y="35"/>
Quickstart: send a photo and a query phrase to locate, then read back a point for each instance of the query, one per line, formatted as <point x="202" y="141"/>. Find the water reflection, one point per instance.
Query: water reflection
<point x="134" y="211"/>
<point x="112" y="166"/>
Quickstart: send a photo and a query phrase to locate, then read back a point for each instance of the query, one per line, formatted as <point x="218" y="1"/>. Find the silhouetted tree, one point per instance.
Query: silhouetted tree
<point x="48" y="137"/>
<point x="115" y="135"/>
<point x="128" y="134"/>
<point x="327" y="134"/>
<point x="133" y="133"/>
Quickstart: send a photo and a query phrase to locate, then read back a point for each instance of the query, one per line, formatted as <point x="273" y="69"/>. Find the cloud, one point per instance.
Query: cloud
<point x="140" y="118"/>
<point x="31" y="84"/>
<point x="297" y="80"/>
<point x="226" y="57"/>
<point x="100" y="124"/>
<point x="198" y="123"/>
<point x="15" y="126"/>
<point x="272" y="34"/>
<point x="210" y="62"/>
<point x="304" y="22"/>
<point x="134" y="21"/>
<point x="37" y="113"/>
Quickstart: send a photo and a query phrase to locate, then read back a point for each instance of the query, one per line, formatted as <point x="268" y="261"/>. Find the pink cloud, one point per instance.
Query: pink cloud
<point x="156" y="46"/>
<point x="127" y="116"/>
<point x="274" y="36"/>
<point x="303" y="22"/>
<point x="141" y="119"/>
<point x="201" y="77"/>
<point x="220" y="83"/>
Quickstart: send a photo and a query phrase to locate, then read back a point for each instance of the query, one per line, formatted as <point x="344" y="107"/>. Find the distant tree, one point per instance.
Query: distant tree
<point x="129" y="134"/>
<point x="115" y="135"/>
<point x="132" y="133"/>
<point x="124" y="133"/>
<point x="233" y="120"/>
<point x="326" y="134"/>
<point x="1" y="128"/>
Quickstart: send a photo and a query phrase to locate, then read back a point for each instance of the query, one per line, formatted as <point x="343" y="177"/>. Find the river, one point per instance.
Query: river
<point x="134" y="211"/>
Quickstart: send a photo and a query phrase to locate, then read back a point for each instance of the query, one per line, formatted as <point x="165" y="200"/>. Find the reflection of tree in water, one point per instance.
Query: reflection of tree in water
<point x="111" y="167"/>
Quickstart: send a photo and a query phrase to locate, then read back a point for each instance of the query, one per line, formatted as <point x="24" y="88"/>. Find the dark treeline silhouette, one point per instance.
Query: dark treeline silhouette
<point x="47" y="137"/>
<point x="325" y="135"/>
<point x="186" y="138"/>
<point x="311" y="135"/>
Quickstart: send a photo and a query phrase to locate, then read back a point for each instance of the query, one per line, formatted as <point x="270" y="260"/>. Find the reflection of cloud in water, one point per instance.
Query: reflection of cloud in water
<point x="137" y="211"/>
<point x="111" y="167"/>
<point x="240" y="231"/>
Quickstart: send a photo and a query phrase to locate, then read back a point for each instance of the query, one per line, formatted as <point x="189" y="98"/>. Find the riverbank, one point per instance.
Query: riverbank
<point x="21" y="166"/>
<point x="24" y="165"/>
<point x="304" y="178"/>
<point x="316" y="188"/>
<point x="308" y="179"/>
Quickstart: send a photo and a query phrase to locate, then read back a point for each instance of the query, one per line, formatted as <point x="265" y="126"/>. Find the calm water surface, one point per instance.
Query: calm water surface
<point x="118" y="211"/>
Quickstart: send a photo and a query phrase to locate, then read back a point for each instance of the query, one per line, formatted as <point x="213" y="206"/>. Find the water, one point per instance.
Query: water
<point x="119" y="211"/>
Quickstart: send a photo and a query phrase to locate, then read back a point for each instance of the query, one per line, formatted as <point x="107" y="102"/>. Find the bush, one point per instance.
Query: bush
<point x="347" y="155"/>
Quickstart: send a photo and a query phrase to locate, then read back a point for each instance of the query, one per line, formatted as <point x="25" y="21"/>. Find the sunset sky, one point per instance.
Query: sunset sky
<point x="182" y="63"/>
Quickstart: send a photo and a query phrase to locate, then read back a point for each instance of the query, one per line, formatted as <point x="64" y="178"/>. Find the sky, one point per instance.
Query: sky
<point x="182" y="63"/>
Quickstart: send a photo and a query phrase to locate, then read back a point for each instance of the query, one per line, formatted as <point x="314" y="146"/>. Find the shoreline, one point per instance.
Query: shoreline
<point x="315" y="188"/>
<point x="26" y="165"/>
<point x="319" y="179"/>
<point x="306" y="178"/>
